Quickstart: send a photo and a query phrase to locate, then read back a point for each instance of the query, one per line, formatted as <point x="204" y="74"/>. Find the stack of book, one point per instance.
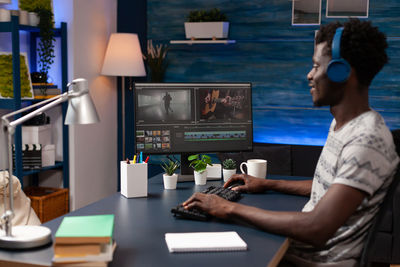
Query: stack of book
<point x="45" y="90"/>
<point x="84" y="241"/>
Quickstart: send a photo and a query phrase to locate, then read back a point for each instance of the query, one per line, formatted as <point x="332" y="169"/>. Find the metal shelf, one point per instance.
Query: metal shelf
<point x="15" y="103"/>
<point x="191" y="42"/>
<point x="58" y="165"/>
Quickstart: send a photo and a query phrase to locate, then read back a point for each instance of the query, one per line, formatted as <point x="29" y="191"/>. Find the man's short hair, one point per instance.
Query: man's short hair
<point x="362" y="45"/>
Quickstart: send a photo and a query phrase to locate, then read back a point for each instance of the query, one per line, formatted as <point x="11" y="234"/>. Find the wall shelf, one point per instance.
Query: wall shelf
<point x="191" y="42"/>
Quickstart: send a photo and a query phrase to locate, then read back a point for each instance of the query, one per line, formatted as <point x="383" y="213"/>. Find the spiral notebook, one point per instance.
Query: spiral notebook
<point x="204" y="241"/>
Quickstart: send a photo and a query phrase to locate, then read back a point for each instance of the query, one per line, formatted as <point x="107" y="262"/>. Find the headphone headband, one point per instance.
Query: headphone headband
<point x="336" y="43"/>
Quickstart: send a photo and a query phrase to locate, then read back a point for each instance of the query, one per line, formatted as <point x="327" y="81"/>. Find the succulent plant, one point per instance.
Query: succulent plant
<point x="229" y="164"/>
<point x="170" y="167"/>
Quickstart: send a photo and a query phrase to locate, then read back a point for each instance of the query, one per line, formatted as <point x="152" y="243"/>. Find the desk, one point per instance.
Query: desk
<point x="140" y="225"/>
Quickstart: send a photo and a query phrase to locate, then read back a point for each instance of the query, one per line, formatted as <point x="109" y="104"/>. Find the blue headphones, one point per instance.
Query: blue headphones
<point x="338" y="68"/>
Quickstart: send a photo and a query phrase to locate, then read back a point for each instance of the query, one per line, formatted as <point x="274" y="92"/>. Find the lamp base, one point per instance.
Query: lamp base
<point x="26" y="236"/>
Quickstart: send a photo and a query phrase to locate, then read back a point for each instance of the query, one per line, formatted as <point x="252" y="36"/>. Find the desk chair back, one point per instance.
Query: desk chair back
<point x="383" y="243"/>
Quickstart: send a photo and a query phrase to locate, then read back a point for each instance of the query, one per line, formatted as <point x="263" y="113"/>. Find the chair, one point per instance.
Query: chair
<point x="383" y="242"/>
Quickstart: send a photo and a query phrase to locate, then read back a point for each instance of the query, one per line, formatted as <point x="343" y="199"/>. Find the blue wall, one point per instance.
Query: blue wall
<point x="275" y="57"/>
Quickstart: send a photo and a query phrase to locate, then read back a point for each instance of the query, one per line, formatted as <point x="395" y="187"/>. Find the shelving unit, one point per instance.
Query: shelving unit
<point x="190" y="42"/>
<point x="16" y="103"/>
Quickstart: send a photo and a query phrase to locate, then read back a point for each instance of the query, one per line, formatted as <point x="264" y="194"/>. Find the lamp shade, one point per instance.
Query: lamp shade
<point x="81" y="109"/>
<point x="123" y="56"/>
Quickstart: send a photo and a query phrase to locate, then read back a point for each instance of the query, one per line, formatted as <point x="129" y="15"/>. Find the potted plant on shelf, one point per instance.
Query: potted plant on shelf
<point x="44" y="10"/>
<point x="199" y="164"/>
<point x="228" y="169"/>
<point x="203" y="24"/>
<point x="156" y="61"/>
<point x="170" y="178"/>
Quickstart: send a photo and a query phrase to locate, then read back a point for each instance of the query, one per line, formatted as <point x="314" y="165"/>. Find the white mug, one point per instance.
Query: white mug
<point x="255" y="167"/>
<point x="5" y="15"/>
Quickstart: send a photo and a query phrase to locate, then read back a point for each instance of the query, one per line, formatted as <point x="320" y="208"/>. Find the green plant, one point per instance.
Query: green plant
<point x="46" y="24"/>
<point x="46" y="44"/>
<point x="229" y="164"/>
<point x="170" y="167"/>
<point x="199" y="162"/>
<point x="156" y="61"/>
<point x="206" y="15"/>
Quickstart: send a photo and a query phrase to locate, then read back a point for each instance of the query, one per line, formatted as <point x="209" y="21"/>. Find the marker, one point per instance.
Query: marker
<point x="127" y="160"/>
<point x="147" y="159"/>
<point x="134" y="159"/>
<point x="141" y="156"/>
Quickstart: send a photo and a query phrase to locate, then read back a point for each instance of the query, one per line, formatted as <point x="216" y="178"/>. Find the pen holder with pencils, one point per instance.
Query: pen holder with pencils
<point x="133" y="179"/>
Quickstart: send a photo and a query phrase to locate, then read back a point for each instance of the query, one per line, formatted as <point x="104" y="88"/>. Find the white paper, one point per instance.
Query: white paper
<point x="204" y="241"/>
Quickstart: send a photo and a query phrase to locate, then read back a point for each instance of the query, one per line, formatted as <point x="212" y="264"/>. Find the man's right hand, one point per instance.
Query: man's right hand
<point x="251" y="183"/>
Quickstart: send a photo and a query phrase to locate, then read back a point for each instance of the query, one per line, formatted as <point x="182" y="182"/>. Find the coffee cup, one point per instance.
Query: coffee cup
<point x="255" y="167"/>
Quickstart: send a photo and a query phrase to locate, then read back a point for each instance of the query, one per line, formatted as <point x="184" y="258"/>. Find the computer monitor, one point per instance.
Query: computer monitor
<point x="190" y="118"/>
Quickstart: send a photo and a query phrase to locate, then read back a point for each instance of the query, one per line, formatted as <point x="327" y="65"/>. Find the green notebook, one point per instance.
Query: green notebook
<point x="85" y="229"/>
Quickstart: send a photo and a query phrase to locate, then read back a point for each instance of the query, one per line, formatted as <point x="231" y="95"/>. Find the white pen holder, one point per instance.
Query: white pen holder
<point x="133" y="179"/>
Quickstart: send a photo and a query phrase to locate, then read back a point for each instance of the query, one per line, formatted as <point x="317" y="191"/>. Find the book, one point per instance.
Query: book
<point x="204" y="241"/>
<point x="70" y="250"/>
<point x="40" y="86"/>
<point x="44" y="96"/>
<point x="85" y="229"/>
<point x="82" y="264"/>
<point x="106" y="255"/>
<point x="48" y="91"/>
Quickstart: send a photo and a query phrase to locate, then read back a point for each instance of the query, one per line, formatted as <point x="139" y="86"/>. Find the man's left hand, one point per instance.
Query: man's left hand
<point x="210" y="203"/>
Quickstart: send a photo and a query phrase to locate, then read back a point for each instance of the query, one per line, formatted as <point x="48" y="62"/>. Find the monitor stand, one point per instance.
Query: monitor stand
<point x="186" y="171"/>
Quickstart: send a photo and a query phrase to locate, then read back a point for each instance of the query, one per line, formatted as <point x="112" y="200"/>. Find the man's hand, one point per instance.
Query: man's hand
<point x="207" y="99"/>
<point x="210" y="203"/>
<point x="251" y="184"/>
<point x="226" y="101"/>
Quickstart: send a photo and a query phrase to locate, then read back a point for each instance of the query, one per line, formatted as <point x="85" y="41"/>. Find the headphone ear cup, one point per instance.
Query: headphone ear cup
<point x="338" y="70"/>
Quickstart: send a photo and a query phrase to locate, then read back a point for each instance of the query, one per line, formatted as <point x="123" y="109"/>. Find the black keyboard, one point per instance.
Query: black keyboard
<point x="196" y="214"/>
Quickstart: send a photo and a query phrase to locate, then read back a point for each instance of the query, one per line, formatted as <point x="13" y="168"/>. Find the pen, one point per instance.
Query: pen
<point x="134" y="159"/>
<point x="147" y="159"/>
<point x="141" y="156"/>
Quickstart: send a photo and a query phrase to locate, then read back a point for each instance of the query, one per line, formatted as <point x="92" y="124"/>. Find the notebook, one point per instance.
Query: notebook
<point x="204" y="241"/>
<point x="85" y="229"/>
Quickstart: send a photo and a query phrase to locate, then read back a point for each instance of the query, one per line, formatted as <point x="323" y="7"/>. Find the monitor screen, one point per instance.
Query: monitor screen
<point x="192" y="118"/>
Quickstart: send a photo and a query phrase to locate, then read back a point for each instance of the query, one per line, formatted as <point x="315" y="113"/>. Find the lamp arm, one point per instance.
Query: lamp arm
<point x="9" y="127"/>
<point x="52" y="102"/>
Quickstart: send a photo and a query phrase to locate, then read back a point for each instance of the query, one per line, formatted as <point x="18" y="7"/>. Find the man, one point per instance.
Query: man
<point x="167" y="102"/>
<point x="354" y="170"/>
<point x="223" y="104"/>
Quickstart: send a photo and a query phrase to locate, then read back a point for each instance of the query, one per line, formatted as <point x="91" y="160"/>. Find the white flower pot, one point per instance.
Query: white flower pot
<point x="228" y="173"/>
<point x="206" y="30"/>
<point x="170" y="181"/>
<point x="200" y="178"/>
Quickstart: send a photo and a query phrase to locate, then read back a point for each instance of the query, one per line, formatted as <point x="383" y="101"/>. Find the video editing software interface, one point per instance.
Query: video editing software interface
<point x="193" y="117"/>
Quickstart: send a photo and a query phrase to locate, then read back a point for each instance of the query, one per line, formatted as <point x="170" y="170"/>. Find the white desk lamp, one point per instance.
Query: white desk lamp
<point x="81" y="110"/>
<point x="123" y="58"/>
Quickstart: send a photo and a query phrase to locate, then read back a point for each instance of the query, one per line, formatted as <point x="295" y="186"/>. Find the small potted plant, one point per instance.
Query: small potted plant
<point x="199" y="164"/>
<point x="203" y="24"/>
<point x="170" y="178"/>
<point x="156" y="61"/>
<point x="228" y="169"/>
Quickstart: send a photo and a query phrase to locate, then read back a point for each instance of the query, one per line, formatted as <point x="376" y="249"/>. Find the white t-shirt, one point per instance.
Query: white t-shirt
<point x="361" y="154"/>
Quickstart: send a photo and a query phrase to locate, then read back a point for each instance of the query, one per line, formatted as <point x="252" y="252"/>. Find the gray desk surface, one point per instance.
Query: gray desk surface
<point x="140" y="225"/>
